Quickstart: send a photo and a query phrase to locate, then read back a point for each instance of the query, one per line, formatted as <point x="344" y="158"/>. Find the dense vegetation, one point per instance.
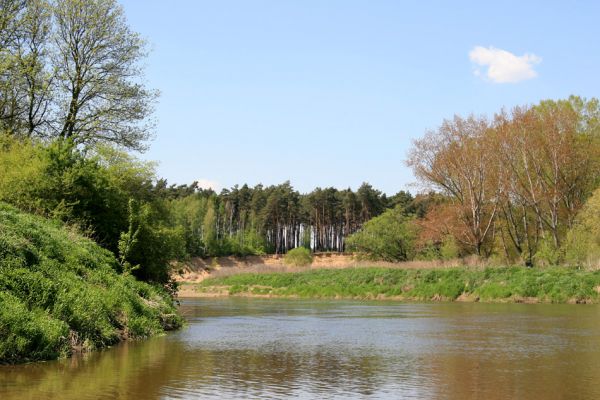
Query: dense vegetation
<point x="105" y="193"/>
<point x="515" y="284"/>
<point x="70" y="69"/>
<point x="72" y="102"/>
<point x="72" y="98"/>
<point x="60" y="292"/>
<point x="513" y="184"/>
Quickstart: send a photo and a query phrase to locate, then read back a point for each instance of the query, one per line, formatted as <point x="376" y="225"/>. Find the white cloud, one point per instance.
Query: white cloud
<point x="503" y="66"/>
<point x="208" y="184"/>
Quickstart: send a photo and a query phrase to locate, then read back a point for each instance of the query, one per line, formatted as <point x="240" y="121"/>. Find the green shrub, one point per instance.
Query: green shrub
<point x="582" y="247"/>
<point x="449" y="249"/>
<point x="388" y="237"/>
<point x="298" y="257"/>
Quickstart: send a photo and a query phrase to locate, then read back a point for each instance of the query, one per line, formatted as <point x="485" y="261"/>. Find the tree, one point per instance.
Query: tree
<point x="209" y="230"/>
<point x="551" y="155"/>
<point x="458" y="160"/>
<point x="33" y="59"/>
<point x="148" y="245"/>
<point x="372" y="202"/>
<point x="440" y="225"/>
<point x="517" y="182"/>
<point x="70" y="69"/>
<point x="11" y="12"/>
<point x="97" y="58"/>
<point x="389" y="236"/>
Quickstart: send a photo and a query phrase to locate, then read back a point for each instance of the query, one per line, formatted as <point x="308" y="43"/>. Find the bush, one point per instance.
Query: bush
<point x="298" y="257"/>
<point x="388" y="237"/>
<point x="449" y="249"/>
<point x="22" y="167"/>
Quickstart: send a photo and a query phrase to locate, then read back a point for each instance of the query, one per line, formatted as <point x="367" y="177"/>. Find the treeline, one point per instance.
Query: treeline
<point x="512" y="186"/>
<point x="274" y="219"/>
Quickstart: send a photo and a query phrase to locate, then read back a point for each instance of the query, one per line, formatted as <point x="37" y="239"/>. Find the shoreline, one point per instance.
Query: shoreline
<point x="192" y="294"/>
<point x="555" y="285"/>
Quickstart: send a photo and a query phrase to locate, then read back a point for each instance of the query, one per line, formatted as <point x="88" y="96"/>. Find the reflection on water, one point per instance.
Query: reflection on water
<point x="241" y="348"/>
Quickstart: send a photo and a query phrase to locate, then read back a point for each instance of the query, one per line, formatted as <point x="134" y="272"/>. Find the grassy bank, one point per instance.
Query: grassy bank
<point x="60" y="292"/>
<point x="507" y="284"/>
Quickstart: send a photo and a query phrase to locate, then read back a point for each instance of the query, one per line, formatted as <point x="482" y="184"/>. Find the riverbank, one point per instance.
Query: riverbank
<point x="492" y="284"/>
<point x="60" y="293"/>
<point x="197" y="269"/>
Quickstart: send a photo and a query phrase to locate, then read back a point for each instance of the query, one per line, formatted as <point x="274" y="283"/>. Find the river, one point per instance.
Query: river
<point x="271" y="349"/>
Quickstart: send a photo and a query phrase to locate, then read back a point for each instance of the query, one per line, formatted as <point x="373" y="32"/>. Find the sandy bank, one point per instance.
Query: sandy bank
<point x="197" y="269"/>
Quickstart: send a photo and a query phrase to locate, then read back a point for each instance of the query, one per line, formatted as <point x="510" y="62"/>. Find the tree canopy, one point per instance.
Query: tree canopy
<point x="515" y="182"/>
<point x="71" y="69"/>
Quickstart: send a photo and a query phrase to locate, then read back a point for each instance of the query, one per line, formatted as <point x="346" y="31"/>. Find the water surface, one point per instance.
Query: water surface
<point x="269" y="349"/>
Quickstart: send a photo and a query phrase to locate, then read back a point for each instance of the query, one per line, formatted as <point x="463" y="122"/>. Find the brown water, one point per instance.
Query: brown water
<point x="270" y="349"/>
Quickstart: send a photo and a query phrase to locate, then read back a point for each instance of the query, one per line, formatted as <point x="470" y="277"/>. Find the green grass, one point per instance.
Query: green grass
<point x="514" y="284"/>
<point x="59" y="291"/>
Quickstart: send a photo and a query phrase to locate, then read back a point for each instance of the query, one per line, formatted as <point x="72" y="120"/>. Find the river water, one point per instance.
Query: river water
<point x="271" y="349"/>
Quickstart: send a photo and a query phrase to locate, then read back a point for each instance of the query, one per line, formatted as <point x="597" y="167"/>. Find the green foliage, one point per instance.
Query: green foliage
<point x="388" y="237"/>
<point x="274" y="219"/>
<point x="209" y="230"/>
<point x="129" y="239"/>
<point x="449" y="249"/>
<point x="582" y="246"/>
<point x="547" y="253"/>
<point x="188" y="213"/>
<point x="148" y="245"/>
<point x="517" y="284"/>
<point x="428" y="252"/>
<point x="298" y="257"/>
<point x="22" y="169"/>
<point x="59" y="290"/>
<point x="30" y="334"/>
<point x="95" y="190"/>
<point x="70" y="69"/>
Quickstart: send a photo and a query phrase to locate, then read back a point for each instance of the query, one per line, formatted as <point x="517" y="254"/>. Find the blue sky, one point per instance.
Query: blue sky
<point x="332" y="93"/>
